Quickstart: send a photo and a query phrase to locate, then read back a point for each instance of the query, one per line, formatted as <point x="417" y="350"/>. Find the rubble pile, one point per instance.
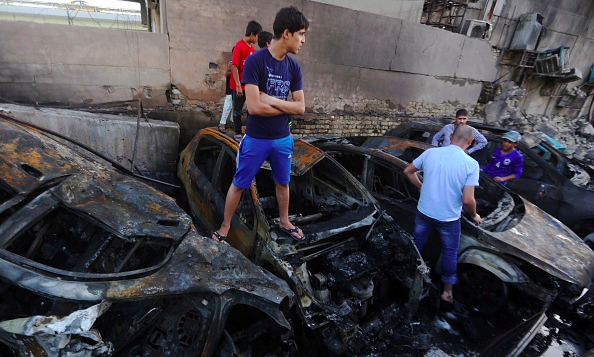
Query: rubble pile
<point x="575" y="134"/>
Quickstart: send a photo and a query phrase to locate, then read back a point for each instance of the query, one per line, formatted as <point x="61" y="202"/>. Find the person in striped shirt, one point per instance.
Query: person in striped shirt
<point x="442" y="138"/>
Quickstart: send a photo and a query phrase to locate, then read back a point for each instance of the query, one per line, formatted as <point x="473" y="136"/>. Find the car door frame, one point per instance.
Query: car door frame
<point x="241" y="236"/>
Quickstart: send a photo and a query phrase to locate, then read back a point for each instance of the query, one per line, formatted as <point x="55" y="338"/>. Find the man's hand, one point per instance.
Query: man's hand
<point x="238" y="91"/>
<point x="477" y="219"/>
<point x="499" y="179"/>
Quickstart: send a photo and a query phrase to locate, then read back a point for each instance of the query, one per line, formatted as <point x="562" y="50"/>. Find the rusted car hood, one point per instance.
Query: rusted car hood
<point x="29" y="161"/>
<point x="558" y="251"/>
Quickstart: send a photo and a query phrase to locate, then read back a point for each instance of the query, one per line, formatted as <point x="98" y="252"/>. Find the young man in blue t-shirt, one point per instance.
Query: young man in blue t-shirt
<point x="506" y="163"/>
<point x="269" y="75"/>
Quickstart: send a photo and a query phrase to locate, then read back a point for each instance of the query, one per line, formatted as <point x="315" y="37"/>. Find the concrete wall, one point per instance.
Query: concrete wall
<point x="112" y="136"/>
<point x="408" y="10"/>
<point x="349" y="57"/>
<point x="46" y="63"/>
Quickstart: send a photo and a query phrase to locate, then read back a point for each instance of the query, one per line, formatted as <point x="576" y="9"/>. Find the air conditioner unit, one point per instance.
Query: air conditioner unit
<point x="477" y="29"/>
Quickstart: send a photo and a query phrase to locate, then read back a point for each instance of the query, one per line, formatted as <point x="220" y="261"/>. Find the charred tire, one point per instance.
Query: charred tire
<point x="479" y="289"/>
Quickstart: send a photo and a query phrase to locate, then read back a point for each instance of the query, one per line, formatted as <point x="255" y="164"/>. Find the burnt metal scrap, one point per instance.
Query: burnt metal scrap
<point x="517" y="244"/>
<point x="100" y="263"/>
<point x="57" y="331"/>
<point x="356" y="263"/>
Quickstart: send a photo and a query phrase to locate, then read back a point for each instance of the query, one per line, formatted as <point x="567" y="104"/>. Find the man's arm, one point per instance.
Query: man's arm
<point x="255" y="106"/>
<point x="235" y="74"/>
<point x="411" y="172"/>
<point x="481" y="142"/>
<point x="470" y="204"/>
<point x="297" y="106"/>
<point x="440" y="134"/>
<point x="236" y="59"/>
<point x="505" y="178"/>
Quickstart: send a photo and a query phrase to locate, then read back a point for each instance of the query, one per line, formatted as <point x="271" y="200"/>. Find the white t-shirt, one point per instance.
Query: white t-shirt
<point x="446" y="170"/>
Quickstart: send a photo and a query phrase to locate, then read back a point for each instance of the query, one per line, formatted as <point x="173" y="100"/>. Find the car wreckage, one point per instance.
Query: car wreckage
<point x="517" y="244"/>
<point x="561" y="186"/>
<point x="356" y="267"/>
<point x="94" y="262"/>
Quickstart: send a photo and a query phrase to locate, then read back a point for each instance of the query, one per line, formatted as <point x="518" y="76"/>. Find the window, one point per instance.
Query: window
<point x="226" y="173"/>
<point x="393" y="184"/>
<point x="65" y="240"/>
<point x="113" y="14"/>
<point x="419" y="135"/>
<point x="206" y="157"/>
<point x="353" y="163"/>
<point x="411" y="153"/>
<point x="531" y="169"/>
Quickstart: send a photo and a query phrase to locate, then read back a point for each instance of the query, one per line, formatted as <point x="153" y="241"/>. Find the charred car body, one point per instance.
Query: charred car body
<point x="349" y="272"/>
<point x="93" y="262"/>
<point x="561" y="186"/>
<point x="517" y="243"/>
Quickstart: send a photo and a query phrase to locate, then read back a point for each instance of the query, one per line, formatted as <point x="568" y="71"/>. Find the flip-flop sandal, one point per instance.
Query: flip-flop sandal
<point x="219" y="237"/>
<point x="291" y="231"/>
<point x="221" y="128"/>
<point x="238" y="137"/>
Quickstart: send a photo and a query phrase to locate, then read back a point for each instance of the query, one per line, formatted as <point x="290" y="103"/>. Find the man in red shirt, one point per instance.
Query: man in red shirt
<point x="243" y="49"/>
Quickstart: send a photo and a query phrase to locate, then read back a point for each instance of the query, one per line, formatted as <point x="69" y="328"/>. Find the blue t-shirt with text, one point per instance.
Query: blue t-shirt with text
<point x="275" y="78"/>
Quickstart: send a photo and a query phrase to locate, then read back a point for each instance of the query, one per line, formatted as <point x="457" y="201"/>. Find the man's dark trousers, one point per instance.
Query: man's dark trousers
<point x="238" y="103"/>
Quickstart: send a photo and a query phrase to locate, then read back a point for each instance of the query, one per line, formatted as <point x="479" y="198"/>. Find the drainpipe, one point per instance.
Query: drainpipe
<point x="491" y="10"/>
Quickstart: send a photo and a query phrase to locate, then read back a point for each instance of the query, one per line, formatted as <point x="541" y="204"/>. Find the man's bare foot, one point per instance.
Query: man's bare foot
<point x="448" y="296"/>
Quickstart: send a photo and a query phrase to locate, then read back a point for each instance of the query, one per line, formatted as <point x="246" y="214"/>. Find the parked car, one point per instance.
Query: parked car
<point x="517" y="244"/>
<point x="94" y="262"/>
<point x="356" y="263"/>
<point x="561" y="186"/>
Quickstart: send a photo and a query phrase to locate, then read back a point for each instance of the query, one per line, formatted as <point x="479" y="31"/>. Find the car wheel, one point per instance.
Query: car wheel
<point x="479" y="289"/>
<point x="589" y="240"/>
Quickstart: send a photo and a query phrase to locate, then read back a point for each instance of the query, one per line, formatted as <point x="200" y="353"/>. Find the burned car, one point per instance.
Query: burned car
<point x="561" y="186"/>
<point x="517" y="244"/>
<point x="356" y="264"/>
<point x="94" y="262"/>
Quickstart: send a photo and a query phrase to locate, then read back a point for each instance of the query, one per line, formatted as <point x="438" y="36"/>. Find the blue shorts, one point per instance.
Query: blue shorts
<point x="252" y="153"/>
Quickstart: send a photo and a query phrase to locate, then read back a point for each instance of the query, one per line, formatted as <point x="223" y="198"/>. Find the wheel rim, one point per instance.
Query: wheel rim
<point x="481" y="290"/>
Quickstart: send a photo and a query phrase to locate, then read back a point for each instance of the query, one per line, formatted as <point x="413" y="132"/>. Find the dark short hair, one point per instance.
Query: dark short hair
<point x="253" y="28"/>
<point x="462" y="113"/>
<point x="289" y="18"/>
<point x="263" y="38"/>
